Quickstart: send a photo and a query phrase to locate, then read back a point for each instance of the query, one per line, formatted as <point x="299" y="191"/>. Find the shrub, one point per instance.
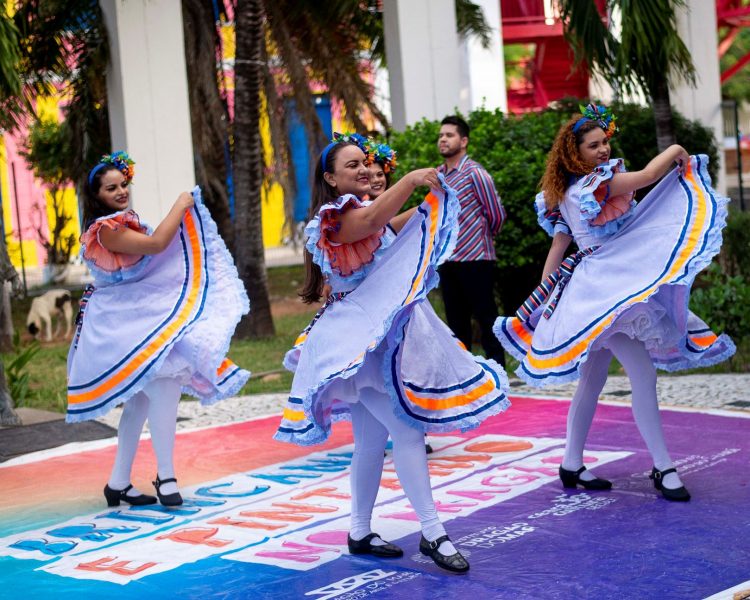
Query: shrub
<point x="16" y="369"/>
<point x="722" y="300"/>
<point x="736" y="249"/>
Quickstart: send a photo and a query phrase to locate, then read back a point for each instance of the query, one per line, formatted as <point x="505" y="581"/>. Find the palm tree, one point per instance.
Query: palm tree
<point x="649" y="56"/>
<point x="248" y="176"/>
<point x="281" y="46"/>
<point x="10" y="56"/>
<point x="58" y="44"/>
<point x="10" y="85"/>
<point x="209" y="115"/>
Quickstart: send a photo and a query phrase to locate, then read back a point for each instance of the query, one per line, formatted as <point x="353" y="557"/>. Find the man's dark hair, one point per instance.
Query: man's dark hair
<point x="461" y="125"/>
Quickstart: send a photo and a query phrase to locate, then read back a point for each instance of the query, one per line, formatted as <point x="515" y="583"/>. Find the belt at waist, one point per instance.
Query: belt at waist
<point x="560" y="278"/>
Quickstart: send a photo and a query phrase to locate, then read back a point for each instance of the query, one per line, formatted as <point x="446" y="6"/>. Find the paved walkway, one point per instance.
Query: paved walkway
<point x="730" y="392"/>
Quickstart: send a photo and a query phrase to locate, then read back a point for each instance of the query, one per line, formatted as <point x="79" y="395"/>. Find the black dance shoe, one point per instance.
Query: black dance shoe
<point x="570" y="479"/>
<point x="679" y="494"/>
<point x="454" y="562"/>
<point x="364" y="546"/>
<point x="114" y="497"/>
<point x="167" y="499"/>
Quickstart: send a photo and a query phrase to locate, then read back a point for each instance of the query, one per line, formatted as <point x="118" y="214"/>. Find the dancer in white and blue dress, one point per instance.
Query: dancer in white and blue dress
<point x="378" y="354"/>
<point x="625" y="292"/>
<point x="156" y="323"/>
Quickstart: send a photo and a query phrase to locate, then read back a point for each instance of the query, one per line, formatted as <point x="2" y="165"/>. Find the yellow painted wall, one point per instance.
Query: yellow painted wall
<point x="48" y="107"/>
<point x="30" y="255"/>
<point x="272" y="199"/>
<point x="5" y="186"/>
<point x="70" y="209"/>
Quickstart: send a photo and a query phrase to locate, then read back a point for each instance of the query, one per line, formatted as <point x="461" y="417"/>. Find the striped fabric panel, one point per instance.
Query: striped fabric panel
<point x="560" y="276"/>
<point x="482" y="214"/>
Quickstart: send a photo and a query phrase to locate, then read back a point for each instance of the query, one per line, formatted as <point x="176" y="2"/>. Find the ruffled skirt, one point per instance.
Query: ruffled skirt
<point x="637" y="283"/>
<point x="385" y="335"/>
<point x="174" y="318"/>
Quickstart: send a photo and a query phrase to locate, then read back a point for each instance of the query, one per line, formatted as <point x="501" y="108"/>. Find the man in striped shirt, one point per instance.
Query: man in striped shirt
<point x="467" y="278"/>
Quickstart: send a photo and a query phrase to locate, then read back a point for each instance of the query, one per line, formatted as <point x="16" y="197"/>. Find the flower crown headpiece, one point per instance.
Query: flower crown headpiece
<point x="602" y="115"/>
<point x="120" y="160"/>
<point x="382" y="154"/>
<point x="338" y="138"/>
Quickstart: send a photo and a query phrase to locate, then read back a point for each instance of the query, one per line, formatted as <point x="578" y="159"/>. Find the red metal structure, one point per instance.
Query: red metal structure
<point x="734" y="15"/>
<point x="549" y="65"/>
<point x="550" y="74"/>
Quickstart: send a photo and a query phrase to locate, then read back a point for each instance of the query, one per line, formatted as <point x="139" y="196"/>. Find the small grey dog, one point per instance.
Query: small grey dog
<point x="54" y="303"/>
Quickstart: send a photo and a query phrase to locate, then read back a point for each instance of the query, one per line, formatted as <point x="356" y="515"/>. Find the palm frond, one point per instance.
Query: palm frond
<point x="470" y="22"/>
<point x="10" y="82"/>
<point x="293" y="72"/>
<point x="650" y="46"/>
<point x="592" y="42"/>
<point x="280" y="166"/>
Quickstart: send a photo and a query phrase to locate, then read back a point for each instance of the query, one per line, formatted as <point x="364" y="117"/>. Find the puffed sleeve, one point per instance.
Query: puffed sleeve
<point x="551" y="220"/>
<point x="107" y="265"/>
<point x="345" y="260"/>
<point x="604" y="214"/>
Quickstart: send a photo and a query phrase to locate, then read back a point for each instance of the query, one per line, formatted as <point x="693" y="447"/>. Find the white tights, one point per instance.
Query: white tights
<point x="158" y="401"/>
<point x="637" y="363"/>
<point x="373" y="421"/>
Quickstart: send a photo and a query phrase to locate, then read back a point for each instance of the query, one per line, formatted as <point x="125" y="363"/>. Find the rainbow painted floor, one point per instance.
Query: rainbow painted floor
<point x="269" y="520"/>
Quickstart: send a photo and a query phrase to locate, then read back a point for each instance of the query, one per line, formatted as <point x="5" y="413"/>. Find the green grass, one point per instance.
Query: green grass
<point x="47" y="385"/>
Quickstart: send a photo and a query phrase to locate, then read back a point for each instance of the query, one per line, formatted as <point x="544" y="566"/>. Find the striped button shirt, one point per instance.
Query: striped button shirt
<point x="481" y="215"/>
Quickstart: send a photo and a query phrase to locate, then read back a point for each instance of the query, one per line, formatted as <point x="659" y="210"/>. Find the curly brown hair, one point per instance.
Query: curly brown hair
<point x="564" y="161"/>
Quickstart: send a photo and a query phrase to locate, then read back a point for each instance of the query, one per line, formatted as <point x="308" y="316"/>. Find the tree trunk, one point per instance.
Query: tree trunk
<point x="248" y="170"/>
<point x="8" y="416"/>
<point x="662" y="115"/>
<point x="6" y="319"/>
<point x="209" y="118"/>
<point x="7" y="273"/>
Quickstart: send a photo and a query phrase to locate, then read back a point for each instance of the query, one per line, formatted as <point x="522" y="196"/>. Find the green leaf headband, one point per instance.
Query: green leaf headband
<point x="120" y="160"/>
<point x="602" y="115"/>
<point x="382" y="154"/>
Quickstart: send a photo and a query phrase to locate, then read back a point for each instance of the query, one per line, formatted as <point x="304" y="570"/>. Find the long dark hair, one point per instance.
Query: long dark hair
<point x="321" y="194"/>
<point x="92" y="206"/>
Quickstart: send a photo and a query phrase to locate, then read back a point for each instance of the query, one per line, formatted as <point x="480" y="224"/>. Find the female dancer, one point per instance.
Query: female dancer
<point x="157" y="322"/>
<point x="376" y="353"/>
<point x="382" y="166"/>
<point x="628" y="295"/>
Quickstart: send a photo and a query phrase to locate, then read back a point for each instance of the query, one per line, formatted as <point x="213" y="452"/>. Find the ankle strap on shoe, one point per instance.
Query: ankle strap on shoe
<point x="657" y="474"/>
<point x="162" y="481"/>
<point x="436" y="544"/>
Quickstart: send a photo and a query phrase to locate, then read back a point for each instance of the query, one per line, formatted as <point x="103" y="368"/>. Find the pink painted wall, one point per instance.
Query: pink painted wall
<point x="30" y="193"/>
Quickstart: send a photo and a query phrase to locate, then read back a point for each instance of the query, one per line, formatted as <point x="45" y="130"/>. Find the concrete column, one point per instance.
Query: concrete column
<point x="149" y="112"/>
<point x="486" y="66"/>
<point x="697" y="27"/>
<point x="422" y="48"/>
